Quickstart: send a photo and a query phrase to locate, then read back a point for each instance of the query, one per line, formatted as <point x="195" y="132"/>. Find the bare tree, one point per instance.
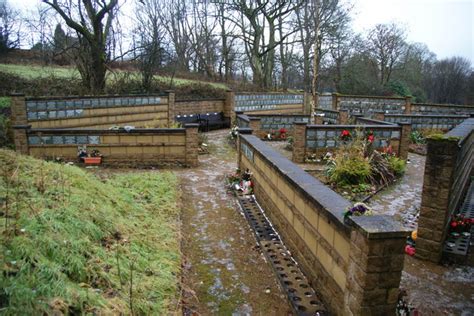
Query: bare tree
<point x="9" y="28"/>
<point x="92" y="21"/>
<point x="151" y="33"/>
<point x="386" y="44"/>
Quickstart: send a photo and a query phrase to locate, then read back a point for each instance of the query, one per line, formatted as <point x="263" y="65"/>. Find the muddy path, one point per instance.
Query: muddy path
<point x="224" y="273"/>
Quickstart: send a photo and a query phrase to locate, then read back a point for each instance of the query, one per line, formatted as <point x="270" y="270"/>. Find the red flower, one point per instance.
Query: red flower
<point x="371" y="138"/>
<point x="454" y="224"/>
<point x="283" y="130"/>
<point x="345" y="133"/>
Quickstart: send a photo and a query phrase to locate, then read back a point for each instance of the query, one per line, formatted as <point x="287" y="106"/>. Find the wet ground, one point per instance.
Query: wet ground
<point x="224" y="273"/>
<point x="402" y="199"/>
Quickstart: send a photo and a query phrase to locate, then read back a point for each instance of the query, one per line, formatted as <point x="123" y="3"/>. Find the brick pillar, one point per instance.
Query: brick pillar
<point x="343" y="117"/>
<point x="335" y="102"/>
<point x="242" y="131"/>
<point x="19" y="122"/>
<point x="375" y="265"/>
<point x="255" y="126"/>
<point x="407" y="105"/>
<point x="229" y="106"/>
<point x="192" y="145"/>
<point x="318" y="120"/>
<point x="299" y="142"/>
<point x="379" y="116"/>
<point x="171" y="108"/>
<point x="404" y="140"/>
<point x="434" y="213"/>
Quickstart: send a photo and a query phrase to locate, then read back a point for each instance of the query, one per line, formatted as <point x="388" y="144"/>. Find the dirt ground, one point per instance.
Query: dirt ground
<point x="224" y="272"/>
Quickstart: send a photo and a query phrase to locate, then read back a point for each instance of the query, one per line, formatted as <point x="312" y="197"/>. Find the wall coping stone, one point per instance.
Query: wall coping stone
<point x="329" y="110"/>
<point x="107" y="131"/>
<point x="463" y="130"/>
<point x="427" y="115"/>
<point x="332" y="203"/>
<point x="445" y="105"/>
<point x="191" y="125"/>
<point x="384" y="126"/>
<point x="198" y="100"/>
<point x="376" y="121"/>
<point x="245" y="130"/>
<point x="107" y="96"/>
<point x="369" y="97"/>
<point x="378" y="226"/>
<point x="244" y="117"/>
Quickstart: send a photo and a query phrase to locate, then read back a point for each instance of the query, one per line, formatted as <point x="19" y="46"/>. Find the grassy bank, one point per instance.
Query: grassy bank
<point x="72" y="243"/>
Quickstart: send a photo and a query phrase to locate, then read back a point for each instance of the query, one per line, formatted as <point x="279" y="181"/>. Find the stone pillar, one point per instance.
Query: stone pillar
<point x="379" y="116"/>
<point x="335" y="102"/>
<point x="192" y="145"/>
<point x="299" y="142"/>
<point x="229" y="106"/>
<point x="307" y="103"/>
<point x="171" y="108"/>
<point x="254" y="125"/>
<point x="440" y="165"/>
<point x="19" y="122"/>
<point x="404" y="140"/>
<point x="343" y="117"/>
<point x="407" y="105"/>
<point x="375" y="265"/>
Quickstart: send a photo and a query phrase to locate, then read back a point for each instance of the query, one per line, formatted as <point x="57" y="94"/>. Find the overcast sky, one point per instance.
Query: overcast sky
<point x="446" y="26"/>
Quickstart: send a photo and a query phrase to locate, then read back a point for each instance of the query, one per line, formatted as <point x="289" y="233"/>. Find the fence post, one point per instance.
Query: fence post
<point x="299" y="142"/>
<point x="375" y="266"/>
<point x="440" y="165"/>
<point x="171" y="108"/>
<point x="404" y="140"/>
<point x="407" y="105"/>
<point x="192" y="145"/>
<point x="229" y="106"/>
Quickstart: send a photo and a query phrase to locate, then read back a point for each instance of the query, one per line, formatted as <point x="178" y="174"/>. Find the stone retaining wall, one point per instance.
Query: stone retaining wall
<point x="356" y="267"/>
<point x="265" y="103"/>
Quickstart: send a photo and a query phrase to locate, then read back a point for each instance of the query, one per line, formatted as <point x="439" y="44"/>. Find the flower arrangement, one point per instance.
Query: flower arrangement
<point x="283" y="132"/>
<point x="358" y="209"/>
<point x="370" y="137"/>
<point x="459" y="224"/>
<point x="242" y="182"/>
<point x="345" y="135"/>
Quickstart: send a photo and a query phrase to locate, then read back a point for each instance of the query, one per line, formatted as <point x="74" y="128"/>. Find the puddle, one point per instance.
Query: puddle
<point x="224" y="273"/>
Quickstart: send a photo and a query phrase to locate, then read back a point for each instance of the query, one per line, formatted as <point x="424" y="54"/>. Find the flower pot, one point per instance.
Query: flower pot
<point x="92" y="160"/>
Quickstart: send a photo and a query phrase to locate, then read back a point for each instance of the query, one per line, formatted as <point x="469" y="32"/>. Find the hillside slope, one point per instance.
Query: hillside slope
<point x="74" y="244"/>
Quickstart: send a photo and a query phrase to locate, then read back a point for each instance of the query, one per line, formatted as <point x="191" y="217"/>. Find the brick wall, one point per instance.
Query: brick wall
<point x="355" y="266"/>
<point x="198" y="106"/>
<point x="320" y="139"/>
<point x="135" y="148"/>
<point x="93" y="112"/>
<point x="448" y="172"/>
<point x="266" y="103"/>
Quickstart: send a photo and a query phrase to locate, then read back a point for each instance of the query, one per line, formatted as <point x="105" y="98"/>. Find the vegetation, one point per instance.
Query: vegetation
<point x="359" y="169"/>
<point x="72" y="244"/>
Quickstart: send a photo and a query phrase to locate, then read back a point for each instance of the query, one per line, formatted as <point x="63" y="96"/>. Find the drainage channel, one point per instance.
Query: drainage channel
<point x="302" y="297"/>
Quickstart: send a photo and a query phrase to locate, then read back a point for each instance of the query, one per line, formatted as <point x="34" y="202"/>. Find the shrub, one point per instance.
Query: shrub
<point x="397" y="165"/>
<point x="416" y="137"/>
<point x="348" y="169"/>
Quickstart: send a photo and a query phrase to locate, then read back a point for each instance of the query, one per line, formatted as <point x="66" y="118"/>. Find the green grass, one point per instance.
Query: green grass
<point x="74" y="244"/>
<point x="36" y="71"/>
<point x="5" y="102"/>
